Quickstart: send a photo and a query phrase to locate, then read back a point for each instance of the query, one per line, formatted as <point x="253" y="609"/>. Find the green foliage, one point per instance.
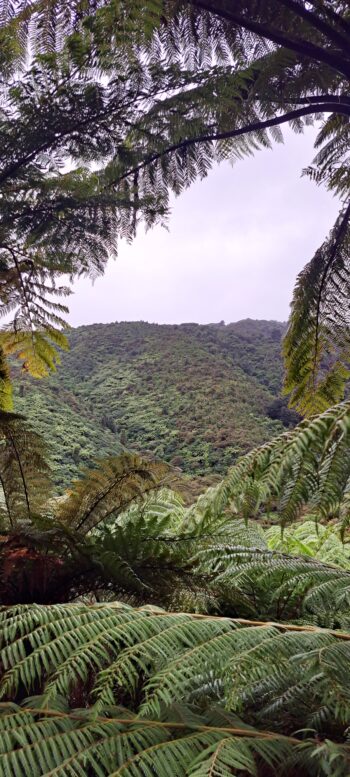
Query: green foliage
<point x="306" y="466"/>
<point x="311" y="539"/>
<point x="102" y="493"/>
<point x="24" y="472"/>
<point x="57" y="549"/>
<point x="36" y="350"/>
<point x="152" y="383"/>
<point x="130" y="691"/>
<point x="173" y="670"/>
<point x="6" y="402"/>
<point x="317" y="346"/>
<point x="142" y="98"/>
<point x="118" y="531"/>
<point x="153" y="95"/>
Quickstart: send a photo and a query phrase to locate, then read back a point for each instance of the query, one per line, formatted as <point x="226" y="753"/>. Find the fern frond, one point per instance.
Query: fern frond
<point x="277" y="585"/>
<point x="117" y="743"/>
<point x="107" y="654"/>
<point x="6" y="403"/>
<point x="316" y="346"/>
<point x="308" y="465"/>
<point x="140" y="99"/>
<point x="24" y="471"/>
<point x="308" y="538"/>
<point x="103" y="493"/>
<point x="38" y="355"/>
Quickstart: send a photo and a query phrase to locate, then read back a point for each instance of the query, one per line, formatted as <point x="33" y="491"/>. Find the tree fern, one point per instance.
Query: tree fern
<point x="117" y="537"/>
<point x="24" y="472"/>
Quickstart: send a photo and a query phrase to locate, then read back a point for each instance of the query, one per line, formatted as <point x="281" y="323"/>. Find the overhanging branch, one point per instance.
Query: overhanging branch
<point x="234" y="133"/>
<point x="299" y="45"/>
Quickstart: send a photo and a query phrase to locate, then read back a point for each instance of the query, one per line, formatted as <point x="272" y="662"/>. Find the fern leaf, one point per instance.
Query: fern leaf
<point x="278" y="677"/>
<point x="6" y="403"/>
<point x="316" y="346"/>
<point x="24" y="472"/>
<point x="105" y="492"/>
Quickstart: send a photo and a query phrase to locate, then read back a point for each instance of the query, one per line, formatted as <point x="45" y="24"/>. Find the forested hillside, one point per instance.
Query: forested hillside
<point x="195" y="395"/>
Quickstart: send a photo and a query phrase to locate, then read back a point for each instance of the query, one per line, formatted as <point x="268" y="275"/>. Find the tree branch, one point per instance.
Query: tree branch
<point x="300" y="46"/>
<point x="254" y="127"/>
<point x="343" y="41"/>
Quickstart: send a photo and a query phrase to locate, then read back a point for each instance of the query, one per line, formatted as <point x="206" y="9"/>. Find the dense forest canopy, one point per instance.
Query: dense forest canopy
<point x="141" y="635"/>
<point x="147" y="387"/>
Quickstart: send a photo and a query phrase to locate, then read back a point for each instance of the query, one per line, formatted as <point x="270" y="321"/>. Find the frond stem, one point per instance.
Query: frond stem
<point x="300" y="46"/>
<point x="254" y="127"/>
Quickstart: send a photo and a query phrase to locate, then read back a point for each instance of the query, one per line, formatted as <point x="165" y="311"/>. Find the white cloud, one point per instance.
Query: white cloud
<point x="235" y="244"/>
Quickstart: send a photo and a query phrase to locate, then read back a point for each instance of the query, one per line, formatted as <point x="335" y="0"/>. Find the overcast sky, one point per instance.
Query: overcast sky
<point x="235" y="244"/>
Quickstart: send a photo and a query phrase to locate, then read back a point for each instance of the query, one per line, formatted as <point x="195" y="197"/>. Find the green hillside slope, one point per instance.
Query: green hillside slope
<point x="195" y="395"/>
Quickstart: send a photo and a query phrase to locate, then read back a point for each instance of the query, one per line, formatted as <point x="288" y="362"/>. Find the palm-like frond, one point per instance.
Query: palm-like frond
<point x="185" y="85"/>
<point x="317" y="345"/>
<point x="331" y="163"/>
<point x="308" y="465"/>
<point x="5" y="384"/>
<point x="24" y="471"/>
<point x="308" y="538"/>
<point x="222" y="564"/>
<point x="101" y="494"/>
<point x="122" y="534"/>
<point x="188" y="744"/>
<point x="108" y="654"/>
<point x="250" y="581"/>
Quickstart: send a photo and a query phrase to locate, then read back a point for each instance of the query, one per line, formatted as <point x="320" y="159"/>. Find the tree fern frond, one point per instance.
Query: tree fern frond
<point x="82" y="651"/>
<point x="121" y="744"/>
<point x="24" y="471"/>
<point x="307" y="538"/>
<point x="316" y="346"/>
<point x="140" y="99"/>
<point x="6" y="403"/>
<point x="305" y="466"/>
<point x="38" y="355"/>
<point x="103" y="493"/>
<point x="331" y="163"/>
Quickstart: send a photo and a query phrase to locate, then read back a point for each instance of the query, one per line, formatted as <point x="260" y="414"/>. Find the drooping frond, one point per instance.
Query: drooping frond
<point x="102" y="656"/>
<point x="6" y="403"/>
<point x="251" y="581"/>
<point x="136" y="551"/>
<point x="103" y="493"/>
<point x="207" y="25"/>
<point x="36" y="348"/>
<point x="317" y="344"/>
<point x="187" y="743"/>
<point x="217" y="562"/>
<point x="24" y="471"/>
<point x="331" y="163"/>
<point x="184" y="85"/>
<point x="43" y="27"/>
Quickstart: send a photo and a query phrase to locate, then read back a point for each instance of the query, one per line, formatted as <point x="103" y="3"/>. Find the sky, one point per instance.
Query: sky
<point x="233" y="248"/>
